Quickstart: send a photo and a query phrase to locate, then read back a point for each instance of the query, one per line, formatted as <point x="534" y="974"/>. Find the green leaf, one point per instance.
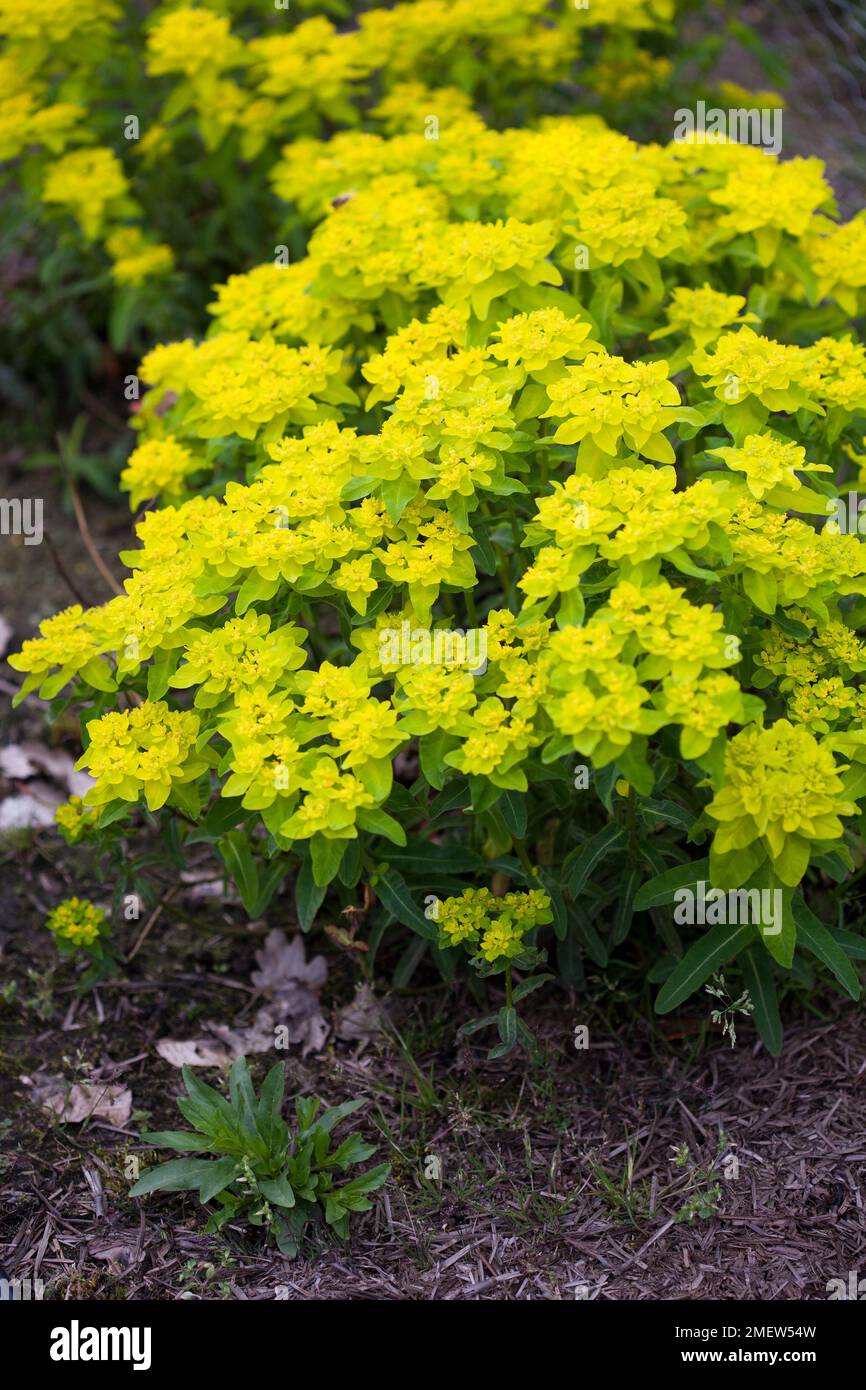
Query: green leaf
<point x="815" y="937"/>
<point x="454" y="798"/>
<point x="758" y="979"/>
<point x="269" y="1121"/>
<point x="507" y="1022"/>
<point x="325" y="856"/>
<point x="624" y="912"/>
<point x="397" y="493"/>
<point x="580" y="863"/>
<point x="329" y="1119"/>
<point x="113" y="811"/>
<point x="585" y="932"/>
<point x="269" y="882"/>
<point x="715" y="948"/>
<point x="223" y="1172"/>
<point x="475" y="1025"/>
<point x="432" y="750"/>
<point x="780" y="938"/>
<point x="529" y="986"/>
<point x="762" y="589"/>
<point x="569" y="960"/>
<point x="309" y="896"/>
<point x="669" y="812"/>
<point x="223" y="816"/>
<point x="853" y="945"/>
<point x="279" y="1191"/>
<point x="664" y="887"/>
<point x="513" y="808"/>
<point x="352" y="1150"/>
<point x="854" y="782"/>
<point x="558" y="905"/>
<point x="182" y="1140"/>
<point x="378" y="822"/>
<point x="393" y="893"/>
<point x="237" y="856"/>
<point x="180" y="1175"/>
<point x="420" y="857"/>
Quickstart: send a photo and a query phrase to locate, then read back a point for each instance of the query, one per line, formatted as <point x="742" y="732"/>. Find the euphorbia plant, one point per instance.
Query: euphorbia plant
<point x="671" y="636"/>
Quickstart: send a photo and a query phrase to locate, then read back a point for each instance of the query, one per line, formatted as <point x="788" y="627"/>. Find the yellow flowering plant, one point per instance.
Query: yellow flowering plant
<point x="82" y="930"/>
<point x="498" y="935"/>
<point x="449" y="572"/>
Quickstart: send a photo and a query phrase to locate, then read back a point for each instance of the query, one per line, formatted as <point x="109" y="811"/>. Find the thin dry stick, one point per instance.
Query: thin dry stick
<point x="151" y="921"/>
<point x="84" y="530"/>
<point x="64" y="573"/>
<point x="88" y="539"/>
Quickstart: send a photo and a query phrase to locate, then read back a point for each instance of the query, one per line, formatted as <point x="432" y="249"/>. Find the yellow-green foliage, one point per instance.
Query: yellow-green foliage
<point x="450" y="419"/>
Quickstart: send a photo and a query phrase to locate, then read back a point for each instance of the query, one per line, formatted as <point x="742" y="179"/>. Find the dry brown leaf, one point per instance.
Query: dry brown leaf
<point x="85" y="1100"/>
<point x="121" y="1251"/>
<point x="197" y="1052"/>
<point x="290" y="1016"/>
<point x="283" y="968"/>
<point x="27" y="812"/>
<point x="363" y="1019"/>
<point x="20" y="761"/>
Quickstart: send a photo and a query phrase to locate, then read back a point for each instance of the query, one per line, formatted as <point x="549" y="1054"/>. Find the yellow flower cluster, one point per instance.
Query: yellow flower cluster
<point x="150" y="748"/>
<point x="91" y="184"/>
<point x="781" y="797"/>
<point x="77" y="921"/>
<point x="492" y="929"/>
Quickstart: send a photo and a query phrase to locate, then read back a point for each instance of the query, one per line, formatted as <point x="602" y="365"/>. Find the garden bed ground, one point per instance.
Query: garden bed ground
<point x="535" y="1199"/>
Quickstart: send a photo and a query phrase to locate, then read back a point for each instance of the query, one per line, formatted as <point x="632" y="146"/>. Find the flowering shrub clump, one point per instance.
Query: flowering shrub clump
<point x="458" y="575"/>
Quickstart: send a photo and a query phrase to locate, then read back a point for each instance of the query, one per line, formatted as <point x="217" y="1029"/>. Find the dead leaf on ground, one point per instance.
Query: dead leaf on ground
<point x="121" y="1251"/>
<point x="21" y="761"/>
<point x="203" y="885"/>
<point x="197" y="1052"/>
<point x="291" y="985"/>
<point x="363" y="1019"/>
<point x="28" y="811"/>
<point x="284" y="972"/>
<point x="85" y="1100"/>
<point x="5" y="635"/>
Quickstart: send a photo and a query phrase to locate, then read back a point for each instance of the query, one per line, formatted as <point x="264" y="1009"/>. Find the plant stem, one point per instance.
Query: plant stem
<point x="520" y="846"/>
<point x="630" y="810"/>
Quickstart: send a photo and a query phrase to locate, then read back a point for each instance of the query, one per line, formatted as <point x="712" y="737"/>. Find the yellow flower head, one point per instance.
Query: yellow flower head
<point x="77" y="921"/>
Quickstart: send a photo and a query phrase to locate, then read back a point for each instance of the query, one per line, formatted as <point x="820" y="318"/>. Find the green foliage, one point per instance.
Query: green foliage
<point x="280" y="1180"/>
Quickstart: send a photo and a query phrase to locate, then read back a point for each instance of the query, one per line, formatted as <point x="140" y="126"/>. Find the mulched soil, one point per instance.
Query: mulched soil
<point x="528" y="1153"/>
